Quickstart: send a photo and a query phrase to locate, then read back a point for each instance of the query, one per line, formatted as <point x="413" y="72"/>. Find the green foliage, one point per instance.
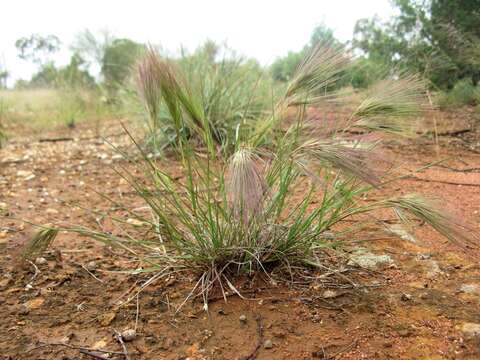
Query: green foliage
<point x="283" y="68"/>
<point x="40" y="109"/>
<point x="363" y="73"/>
<point x="4" y="74"/>
<point x="271" y="203"/>
<point x="438" y="38"/>
<point x="46" y="77"/>
<point x="37" y="48"/>
<point x="75" y="75"/>
<point x="118" y="61"/>
<point x="91" y="46"/>
<point x="463" y="93"/>
<point x="229" y="92"/>
<point x="71" y="76"/>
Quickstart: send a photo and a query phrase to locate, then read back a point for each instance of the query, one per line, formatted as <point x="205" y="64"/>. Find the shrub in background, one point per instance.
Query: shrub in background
<point x="463" y="93"/>
<point x="226" y="89"/>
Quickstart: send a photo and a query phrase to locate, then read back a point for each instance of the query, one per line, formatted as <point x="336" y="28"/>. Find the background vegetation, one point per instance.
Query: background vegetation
<point x="438" y="39"/>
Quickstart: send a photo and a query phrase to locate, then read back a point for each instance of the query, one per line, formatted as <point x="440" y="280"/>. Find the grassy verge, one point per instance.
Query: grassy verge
<point x="45" y="109"/>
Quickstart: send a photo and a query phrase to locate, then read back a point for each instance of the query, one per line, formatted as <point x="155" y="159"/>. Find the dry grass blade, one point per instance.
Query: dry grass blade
<point x="428" y="211"/>
<point x="148" y="85"/>
<point x="389" y="100"/>
<point x="351" y="159"/>
<point x="39" y="243"/>
<point x="322" y="68"/>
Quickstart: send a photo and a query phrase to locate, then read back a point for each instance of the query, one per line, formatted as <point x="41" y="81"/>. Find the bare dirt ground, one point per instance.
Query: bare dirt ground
<point x="423" y="305"/>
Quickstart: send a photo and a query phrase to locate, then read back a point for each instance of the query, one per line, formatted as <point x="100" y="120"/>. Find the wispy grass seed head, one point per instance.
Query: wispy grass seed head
<point x="246" y="186"/>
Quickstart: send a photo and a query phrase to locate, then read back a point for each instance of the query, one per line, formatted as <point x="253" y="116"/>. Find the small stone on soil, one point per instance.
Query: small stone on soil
<point x="470" y="289"/>
<point x="91" y="266"/>
<point x="242" y="318"/>
<point x="268" y="344"/>
<point x="129" y="335"/>
<point x="23" y="310"/>
<point x="406" y="297"/>
<point x="329" y="294"/>
<point x="367" y="260"/>
<point x="40" y="261"/>
<point x="471" y="329"/>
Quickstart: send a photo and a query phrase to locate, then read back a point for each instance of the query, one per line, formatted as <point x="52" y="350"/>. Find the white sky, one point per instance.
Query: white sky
<point x="258" y="28"/>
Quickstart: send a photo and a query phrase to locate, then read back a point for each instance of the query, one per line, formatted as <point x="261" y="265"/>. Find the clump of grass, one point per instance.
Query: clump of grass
<point x="280" y="198"/>
<point x="463" y="93"/>
<point x="228" y="90"/>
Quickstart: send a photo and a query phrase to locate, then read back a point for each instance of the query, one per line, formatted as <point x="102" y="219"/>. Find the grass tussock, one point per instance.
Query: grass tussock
<point x="280" y="197"/>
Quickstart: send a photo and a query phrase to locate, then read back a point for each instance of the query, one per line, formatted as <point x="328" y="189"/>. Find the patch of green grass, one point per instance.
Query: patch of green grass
<point x="463" y="93"/>
<point x="44" y="109"/>
<point x="279" y="198"/>
<point x="227" y="89"/>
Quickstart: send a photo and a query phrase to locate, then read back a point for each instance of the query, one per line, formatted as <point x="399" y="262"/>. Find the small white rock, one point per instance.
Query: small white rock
<point x="242" y="318"/>
<point x="40" y="261"/>
<point x="91" y="266"/>
<point x="329" y="294"/>
<point x="129" y="335"/>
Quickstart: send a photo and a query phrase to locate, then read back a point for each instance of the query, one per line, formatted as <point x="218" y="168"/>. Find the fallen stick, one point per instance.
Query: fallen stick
<point x="442" y="181"/>
<point x="118" y="336"/>
<point x="466" y="170"/>
<point x="56" y="139"/>
<point x="253" y="353"/>
<point x="74" y="347"/>
<point x="346" y="348"/>
<point x="96" y="356"/>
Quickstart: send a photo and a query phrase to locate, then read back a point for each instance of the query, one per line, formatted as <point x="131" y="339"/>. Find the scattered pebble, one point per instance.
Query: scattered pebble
<point x="406" y="297"/>
<point x="402" y="233"/>
<point x="91" y="266"/>
<point x="40" y="261"/>
<point x="470" y="289"/>
<point x="470" y="329"/>
<point x="23" y="310"/>
<point x="329" y="294"/>
<point x="434" y="270"/>
<point x="268" y="344"/>
<point x="135" y="222"/>
<point x="367" y="260"/>
<point x="129" y="335"/>
<point x="243" y="318"/>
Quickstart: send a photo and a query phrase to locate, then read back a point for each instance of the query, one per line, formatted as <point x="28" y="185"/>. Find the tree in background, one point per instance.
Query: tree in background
<point x="92" y="46"/>
<point x="37" y="48"/>
<point x="117" y="62"/>
<point x="4" y="74"/>
<point x="75" y="74"/>
<point x="437" y="38"/>
<point x="283" y="68"/>
<point x="45" y="77"/>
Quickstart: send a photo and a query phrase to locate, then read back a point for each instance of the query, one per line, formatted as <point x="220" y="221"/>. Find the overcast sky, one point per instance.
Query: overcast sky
<point x="261" y="29"/>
